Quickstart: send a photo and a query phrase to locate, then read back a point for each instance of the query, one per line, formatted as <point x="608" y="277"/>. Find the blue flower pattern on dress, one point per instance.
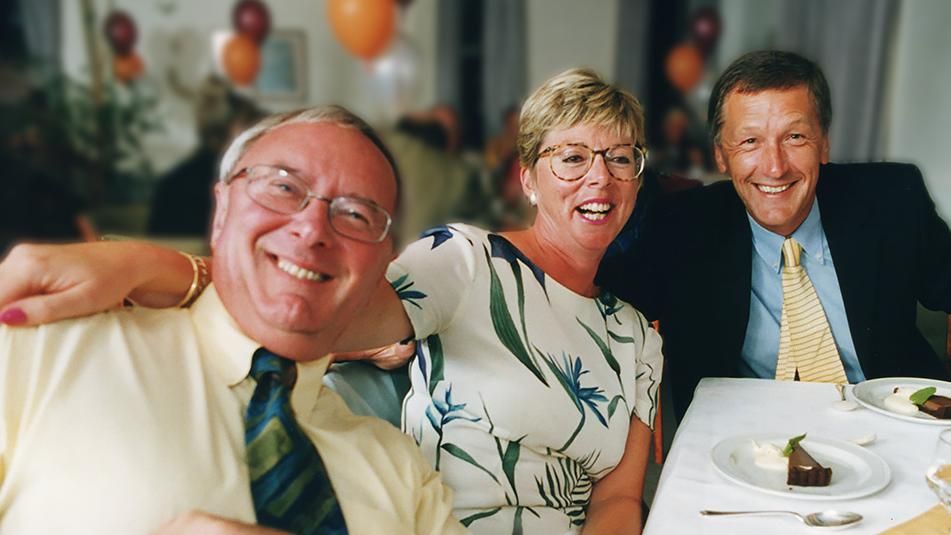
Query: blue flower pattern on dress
<point x="443" y="411"/>
<point x="440" y="235"/>
<point x="404" y="292"/>
<point x="569" y="373"/>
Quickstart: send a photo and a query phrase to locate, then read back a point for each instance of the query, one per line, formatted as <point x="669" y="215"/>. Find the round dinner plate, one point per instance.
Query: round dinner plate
<point x="856" y="471"/>
<point x="871" y="395"/>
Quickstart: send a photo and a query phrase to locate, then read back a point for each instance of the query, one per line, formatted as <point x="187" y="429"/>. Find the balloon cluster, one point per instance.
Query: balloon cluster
<point x="241" y="55"/>
<point x="367" y="29"/>
<point x="684" y="65"/>
<point x="121" y="34"/>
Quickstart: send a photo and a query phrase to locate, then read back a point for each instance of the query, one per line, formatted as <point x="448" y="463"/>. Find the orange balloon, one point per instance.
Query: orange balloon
<point x="364" y="27"/>
<point x="241" y="59"/>
<point x="684" y="67"/>
<point x="127" y="67"/>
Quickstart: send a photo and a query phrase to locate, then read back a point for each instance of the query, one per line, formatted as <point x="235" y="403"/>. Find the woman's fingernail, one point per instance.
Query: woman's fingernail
<point x="13" y="316"/>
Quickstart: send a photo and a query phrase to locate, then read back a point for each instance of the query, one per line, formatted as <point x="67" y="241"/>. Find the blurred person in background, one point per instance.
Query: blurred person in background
<point x="439" y="185"/>
<point x="37" y="200"/>
<point x="182" y="202"/>
<point x="678" y="153"/>
<point x="533" y="391"/>
<point x="502" y="149"/>
<point x="508" y="208"/>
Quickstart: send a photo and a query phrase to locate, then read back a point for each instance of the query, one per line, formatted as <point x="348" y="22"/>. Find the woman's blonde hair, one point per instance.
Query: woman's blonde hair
<point x="576" y="96"/>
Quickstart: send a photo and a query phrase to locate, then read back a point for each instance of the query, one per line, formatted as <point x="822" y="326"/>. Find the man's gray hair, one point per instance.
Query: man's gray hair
<point x="333" y="114"/>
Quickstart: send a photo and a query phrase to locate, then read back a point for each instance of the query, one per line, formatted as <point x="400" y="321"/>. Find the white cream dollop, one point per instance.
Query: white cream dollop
<point x="865" y="440"/>
<point x="769" y="456"/>
<point x="898" y="401"/>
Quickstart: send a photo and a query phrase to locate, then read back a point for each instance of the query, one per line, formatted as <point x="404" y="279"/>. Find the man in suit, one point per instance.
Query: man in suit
<point x="709" y="264"/>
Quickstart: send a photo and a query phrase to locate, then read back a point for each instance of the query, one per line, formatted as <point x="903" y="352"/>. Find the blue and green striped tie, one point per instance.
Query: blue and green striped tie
<point x="289" y="482"/>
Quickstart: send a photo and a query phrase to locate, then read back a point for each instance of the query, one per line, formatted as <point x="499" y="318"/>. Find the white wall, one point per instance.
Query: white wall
<point x="746" y="25"/>
<point x="919" y="107"/>
<point x="569" y="33"/>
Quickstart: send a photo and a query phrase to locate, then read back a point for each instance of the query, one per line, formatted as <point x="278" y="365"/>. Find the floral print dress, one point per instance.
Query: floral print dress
<point x="522" y="390"/>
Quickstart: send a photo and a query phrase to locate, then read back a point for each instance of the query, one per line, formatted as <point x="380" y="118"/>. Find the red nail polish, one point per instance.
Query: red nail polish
<point x="13" y="316"/>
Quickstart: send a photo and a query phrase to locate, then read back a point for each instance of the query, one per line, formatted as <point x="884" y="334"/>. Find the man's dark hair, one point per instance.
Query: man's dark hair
<point x="769" y="69"/>
<point x="428" y="131"/>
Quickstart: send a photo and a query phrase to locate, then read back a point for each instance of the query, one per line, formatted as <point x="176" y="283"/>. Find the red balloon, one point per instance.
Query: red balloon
<point x="241" y="59"/>
<point x="705" y="27"/>
<point x="120" y="32"/>
<point x="252" y="18"/>
<point x="684" y="67"/>
<point x="364" y="27"/>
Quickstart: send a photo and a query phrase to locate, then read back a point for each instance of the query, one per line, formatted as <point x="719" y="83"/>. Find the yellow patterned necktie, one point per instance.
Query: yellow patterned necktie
<point x="807" y="350"/>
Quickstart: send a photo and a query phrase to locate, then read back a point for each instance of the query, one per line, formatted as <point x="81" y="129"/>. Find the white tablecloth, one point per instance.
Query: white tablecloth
<point x="723" y="408"/>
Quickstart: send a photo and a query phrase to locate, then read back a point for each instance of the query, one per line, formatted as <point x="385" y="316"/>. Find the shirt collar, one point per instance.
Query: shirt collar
<point x="768" y="244"/>
<point x="229" y="350"/>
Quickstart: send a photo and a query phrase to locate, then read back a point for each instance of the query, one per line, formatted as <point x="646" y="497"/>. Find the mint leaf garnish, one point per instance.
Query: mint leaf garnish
<point x="921" y="396"/>
<point x="787" y="451"/>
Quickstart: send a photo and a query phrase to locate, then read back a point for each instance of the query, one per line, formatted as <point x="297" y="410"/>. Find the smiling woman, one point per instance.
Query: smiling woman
<point x="530" y="385"/>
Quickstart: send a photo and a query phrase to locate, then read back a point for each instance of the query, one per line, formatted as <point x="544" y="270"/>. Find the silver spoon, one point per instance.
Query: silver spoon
<point x="824" y="519"/>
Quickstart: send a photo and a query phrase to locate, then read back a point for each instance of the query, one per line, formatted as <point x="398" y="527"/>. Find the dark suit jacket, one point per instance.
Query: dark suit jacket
<point x="692" y="272"/>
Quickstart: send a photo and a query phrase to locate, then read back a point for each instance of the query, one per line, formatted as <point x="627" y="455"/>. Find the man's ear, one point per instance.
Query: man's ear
<point x="824" y="156"/>
<point x="221" y="212"/>
<point x="719" y="157"/>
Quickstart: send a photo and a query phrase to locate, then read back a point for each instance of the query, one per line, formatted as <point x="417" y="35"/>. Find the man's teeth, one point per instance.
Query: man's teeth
<point x="773" y="189"/>
<point x="301" y="273"/>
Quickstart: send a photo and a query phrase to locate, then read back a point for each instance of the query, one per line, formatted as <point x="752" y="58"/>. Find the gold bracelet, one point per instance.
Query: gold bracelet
<point x="200" y="279"/>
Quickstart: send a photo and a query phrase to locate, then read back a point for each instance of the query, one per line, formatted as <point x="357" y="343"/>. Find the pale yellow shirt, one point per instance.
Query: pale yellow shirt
<point x="119" y="422"/>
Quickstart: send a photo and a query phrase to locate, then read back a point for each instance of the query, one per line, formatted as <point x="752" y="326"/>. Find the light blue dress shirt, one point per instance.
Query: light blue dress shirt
<point x="761" y="346"/>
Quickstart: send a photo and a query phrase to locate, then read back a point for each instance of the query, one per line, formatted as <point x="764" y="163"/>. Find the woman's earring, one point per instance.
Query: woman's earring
<point x="532" y="199"/>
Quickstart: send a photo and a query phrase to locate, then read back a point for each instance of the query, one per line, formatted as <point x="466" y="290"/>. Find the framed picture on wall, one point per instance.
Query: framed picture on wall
<point x="283" y="74"/>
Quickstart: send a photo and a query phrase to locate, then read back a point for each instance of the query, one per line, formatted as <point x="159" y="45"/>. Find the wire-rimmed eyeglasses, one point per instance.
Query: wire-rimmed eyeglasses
<point x="280" y="190"/>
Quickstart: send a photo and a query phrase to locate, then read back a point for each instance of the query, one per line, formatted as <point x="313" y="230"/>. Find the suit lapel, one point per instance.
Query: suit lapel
<point x="854" y="243"/>
<point x="734" y="274"/>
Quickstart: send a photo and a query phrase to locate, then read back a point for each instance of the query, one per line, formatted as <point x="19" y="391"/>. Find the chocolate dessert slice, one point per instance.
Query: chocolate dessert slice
<point x="804" y="471"/>
<point x="937" y="406"/>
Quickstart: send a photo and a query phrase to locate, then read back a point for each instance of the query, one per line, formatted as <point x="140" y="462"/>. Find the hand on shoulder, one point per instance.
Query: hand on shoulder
<point x="46" y="283"/>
